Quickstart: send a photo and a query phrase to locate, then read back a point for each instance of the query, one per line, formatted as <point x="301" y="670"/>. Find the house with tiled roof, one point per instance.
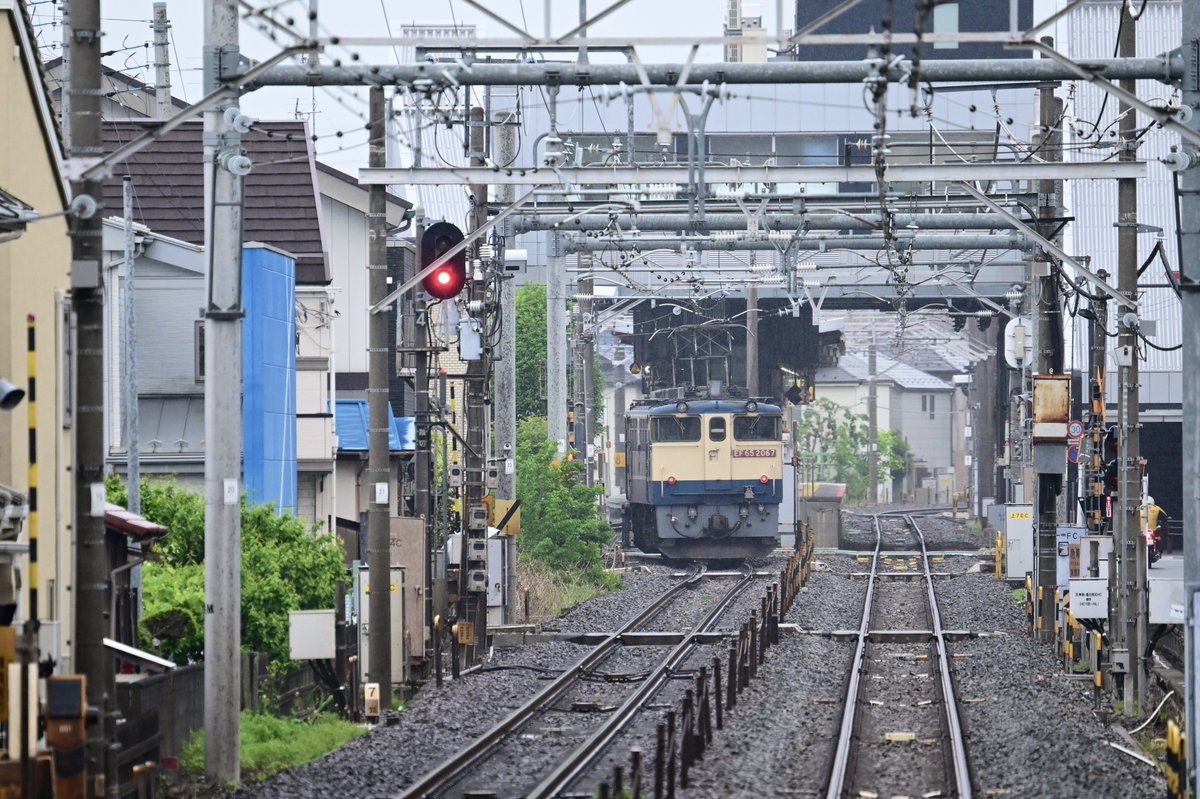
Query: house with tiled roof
<point x="915" y="404"/>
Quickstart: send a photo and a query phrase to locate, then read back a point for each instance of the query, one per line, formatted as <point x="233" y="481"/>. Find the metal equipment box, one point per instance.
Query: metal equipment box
<point x="1018" y="543"/>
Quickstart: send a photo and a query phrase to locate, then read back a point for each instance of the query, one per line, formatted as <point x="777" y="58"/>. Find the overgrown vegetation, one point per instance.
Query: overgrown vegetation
<point x="270" y="744"/>
<point x="285" y="567"/>
<point x="836" y="441"/>
<point x="531" y="358"/>
<point x="561" y="524"/>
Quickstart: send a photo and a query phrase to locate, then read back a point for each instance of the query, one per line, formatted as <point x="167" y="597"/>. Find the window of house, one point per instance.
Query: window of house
<point x="932" y="397"/>
<point x="945" y="20"/>
<point x="924" y="403"/>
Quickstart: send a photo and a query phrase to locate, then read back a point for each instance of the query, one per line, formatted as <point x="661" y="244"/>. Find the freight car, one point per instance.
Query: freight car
<point x="704" y="478"/>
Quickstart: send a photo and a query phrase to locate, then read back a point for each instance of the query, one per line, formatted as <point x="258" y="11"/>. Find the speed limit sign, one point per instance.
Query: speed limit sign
<point x="1074" y="429"/>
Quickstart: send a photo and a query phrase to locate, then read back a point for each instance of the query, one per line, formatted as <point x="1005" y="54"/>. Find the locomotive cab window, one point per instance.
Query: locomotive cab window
<point x="675" y="428"/>
<point x="716" y="428"/>
<point x="756" y="428"/>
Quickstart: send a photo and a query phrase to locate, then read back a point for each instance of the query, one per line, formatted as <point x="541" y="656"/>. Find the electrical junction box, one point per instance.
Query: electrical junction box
<point x="493" y="477"/>
<point x="1167" y="601"/>
<point x="399" y="658"/>
<point x="1124" y="355"/>
<point x="477" y="582"/>
<point x="1018" y="545"/>
<point x="311" y="634"/>
<point x="1068" y="552"/>
<point x="470" y="339"/>
<point x="455" y="476"/>
<point x="477" y="518"/>
<point x="476" y="550"/>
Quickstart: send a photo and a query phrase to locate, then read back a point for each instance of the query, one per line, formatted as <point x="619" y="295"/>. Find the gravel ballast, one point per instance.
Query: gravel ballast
<point x="1030" y="729"/>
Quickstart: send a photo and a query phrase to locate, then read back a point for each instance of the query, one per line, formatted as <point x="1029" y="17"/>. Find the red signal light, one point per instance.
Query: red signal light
<point x="764" y="479"/>
<point x="445" y="282"/>
<point x="671" y="481"/>
<point x="450" y="278"/>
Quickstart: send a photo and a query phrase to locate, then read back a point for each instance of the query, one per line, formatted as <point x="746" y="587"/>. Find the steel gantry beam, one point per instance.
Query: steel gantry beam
<point x="903" y="173"/>
<point x="527" y="222"/>
<point x="904" y="240"/>
<point x="1166" y="68"/>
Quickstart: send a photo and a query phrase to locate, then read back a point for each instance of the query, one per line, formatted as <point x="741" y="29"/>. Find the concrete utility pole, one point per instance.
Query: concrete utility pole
<point x="92" y="557"/>
<point x="1048" y="474"/>
<point x="225" y="163"/>
<point x="1189" y="191"/>
<point x="1130" y="547"/>
<point x="64" y="104"/>
<point x="423" y="458"/>
<point x="130" y="388"/>
<point x="474" y="603"/>
<point x="162" y="62"/>
<point x="379" y="495"/>
<point x="556" y="341"/>
<point x="752" y="387"/>
<point x="505" y="401"/>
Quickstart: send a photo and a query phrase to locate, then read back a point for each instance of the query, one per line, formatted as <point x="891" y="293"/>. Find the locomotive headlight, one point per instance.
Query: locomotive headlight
<point x="762" y="508"/>
<point x="681" y="407"/>
<point x="751" y="407"/>
<point x="691" y="511"/>
<point x="748" y="494"/>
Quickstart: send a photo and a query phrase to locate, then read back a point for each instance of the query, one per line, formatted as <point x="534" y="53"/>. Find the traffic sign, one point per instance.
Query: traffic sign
<point x="1074" y="429"/>
<point x="1073" y="453"/>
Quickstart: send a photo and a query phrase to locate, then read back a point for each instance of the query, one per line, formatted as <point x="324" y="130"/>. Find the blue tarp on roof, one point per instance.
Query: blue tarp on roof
<point x="352" y="416"/>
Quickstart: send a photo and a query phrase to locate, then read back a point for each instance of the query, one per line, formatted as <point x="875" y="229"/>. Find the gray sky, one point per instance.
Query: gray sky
<point x="126" y="25"/>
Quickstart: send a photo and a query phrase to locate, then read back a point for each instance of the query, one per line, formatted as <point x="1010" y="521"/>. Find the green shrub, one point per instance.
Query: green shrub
<point x="286" y="566"/>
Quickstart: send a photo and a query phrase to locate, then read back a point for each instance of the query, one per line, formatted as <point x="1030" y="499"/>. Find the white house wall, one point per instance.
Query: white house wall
<point x="347" y="265"/>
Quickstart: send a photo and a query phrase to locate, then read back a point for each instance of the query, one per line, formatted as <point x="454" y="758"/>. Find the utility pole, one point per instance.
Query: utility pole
<point x="752" y="388"/>
<point x="162" y="62"/>
<point x="379" y="499"/>
<point x="474" y="602"/>
<point x="556" y="341"/>
<point x="130" y="388"/>
<point x="504" y="402"/>
<point x="92" y="557"/>
<point x="224" y="161"/>
<point x="872" y="427"/>
<point x="423" y="458"/>
<point x="1189" y="233"/>
<point x="1130" y="549"/>
<point x="1051" y="460"/>
<point x="64" y="104"/>
<point x="583" y="289"/>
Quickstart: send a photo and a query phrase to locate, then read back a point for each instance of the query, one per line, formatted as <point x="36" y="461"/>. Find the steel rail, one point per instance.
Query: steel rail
<point x="573" y="766"/>
<point x="954" y="733"/>
<point x="841" y="757"/>
<point x="453" y="768"/>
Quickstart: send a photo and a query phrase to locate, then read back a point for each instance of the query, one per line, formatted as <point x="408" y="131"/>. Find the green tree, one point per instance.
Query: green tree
<point x="561" y="524"/>
<point x="531" y="350"/>
<point x="286" y="566"/>
<point x="838" y="439"/>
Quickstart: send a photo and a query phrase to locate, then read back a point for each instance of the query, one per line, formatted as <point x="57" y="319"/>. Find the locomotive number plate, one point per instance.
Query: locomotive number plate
<point x="754" y="453"/>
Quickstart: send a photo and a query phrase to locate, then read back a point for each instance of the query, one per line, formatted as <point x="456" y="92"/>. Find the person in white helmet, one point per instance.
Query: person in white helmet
<point x="1152" y="528"/>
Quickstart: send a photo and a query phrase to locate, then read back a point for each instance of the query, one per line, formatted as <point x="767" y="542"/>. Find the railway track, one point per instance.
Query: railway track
<point x="900" y="732"/>
<point x="459" y="774"/>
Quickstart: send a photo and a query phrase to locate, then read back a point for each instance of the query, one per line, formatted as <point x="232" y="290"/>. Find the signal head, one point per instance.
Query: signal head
<point x="450" y="278"/>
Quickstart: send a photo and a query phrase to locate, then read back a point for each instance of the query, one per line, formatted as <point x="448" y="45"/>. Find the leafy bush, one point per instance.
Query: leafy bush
<point x="561" y="524"/>
<point x="285" y="566"/>
<point x="270" y="744"/>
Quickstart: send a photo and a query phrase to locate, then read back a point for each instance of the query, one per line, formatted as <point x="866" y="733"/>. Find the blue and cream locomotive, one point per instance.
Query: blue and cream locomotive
<point x="704" y="478"/>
